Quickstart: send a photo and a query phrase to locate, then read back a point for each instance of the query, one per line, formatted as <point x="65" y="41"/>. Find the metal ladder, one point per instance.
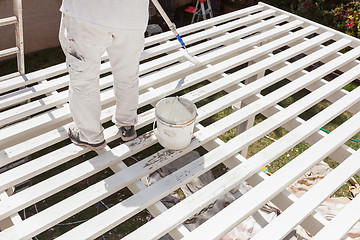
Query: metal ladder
<point x="200" y="12"/>
<point x="19" y="49"/>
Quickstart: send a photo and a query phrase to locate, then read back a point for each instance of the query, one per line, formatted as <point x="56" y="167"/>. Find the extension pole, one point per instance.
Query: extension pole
<point x="172" y="27"/>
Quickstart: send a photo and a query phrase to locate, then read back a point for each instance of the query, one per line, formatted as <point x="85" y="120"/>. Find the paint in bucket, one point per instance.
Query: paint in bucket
<point x="175" y="117"/>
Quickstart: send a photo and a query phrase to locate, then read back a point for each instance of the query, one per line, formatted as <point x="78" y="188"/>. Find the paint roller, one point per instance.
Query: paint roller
<point x="172" y="27"/>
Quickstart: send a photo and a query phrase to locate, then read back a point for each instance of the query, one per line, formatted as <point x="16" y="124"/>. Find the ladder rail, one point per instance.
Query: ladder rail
<point x="17" y="19"/>
<point x="202" y="10"/>
<point x="210" y="8"/>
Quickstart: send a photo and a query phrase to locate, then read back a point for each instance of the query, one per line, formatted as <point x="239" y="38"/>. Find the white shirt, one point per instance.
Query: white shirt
<point x="110" y="15"/>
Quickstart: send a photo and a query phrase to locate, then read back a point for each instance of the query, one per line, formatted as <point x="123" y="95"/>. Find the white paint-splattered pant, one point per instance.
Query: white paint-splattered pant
<point x="83" y="46"/>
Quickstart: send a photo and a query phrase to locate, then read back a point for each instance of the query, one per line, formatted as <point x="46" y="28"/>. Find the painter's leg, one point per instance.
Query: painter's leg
<point x="83" y="46"/>
<point x="124" y="54"/>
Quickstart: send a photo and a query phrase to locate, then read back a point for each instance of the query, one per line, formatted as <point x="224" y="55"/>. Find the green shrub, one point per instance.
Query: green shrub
<point x="310" y="9"/>
<point x="345" y="18"/>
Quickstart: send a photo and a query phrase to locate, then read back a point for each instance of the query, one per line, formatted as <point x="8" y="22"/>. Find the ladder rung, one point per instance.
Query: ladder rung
<point x="190" y="9"/>
<point x="9" y="51"/>
<point x="8" y="21"/>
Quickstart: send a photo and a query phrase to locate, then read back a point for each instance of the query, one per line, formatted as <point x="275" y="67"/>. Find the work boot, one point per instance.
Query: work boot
<point x="127" y="133"/>
<point x="74" y="136"/>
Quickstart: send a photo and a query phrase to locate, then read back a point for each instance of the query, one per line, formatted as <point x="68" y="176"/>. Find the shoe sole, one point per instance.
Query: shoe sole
<point x="126" y="139"/>
<point x="88" y="146"/>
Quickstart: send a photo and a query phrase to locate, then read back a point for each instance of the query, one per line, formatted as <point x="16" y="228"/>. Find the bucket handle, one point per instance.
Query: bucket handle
<point x="154" y="123"/>
<point x="155" y="130"/>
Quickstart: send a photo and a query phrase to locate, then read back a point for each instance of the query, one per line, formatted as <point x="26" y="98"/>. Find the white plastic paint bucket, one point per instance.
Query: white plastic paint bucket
<point x="175" y="117"/>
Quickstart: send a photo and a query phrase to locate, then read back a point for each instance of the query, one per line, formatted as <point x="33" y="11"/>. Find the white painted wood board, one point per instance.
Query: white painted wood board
<point x="35" y="116"/>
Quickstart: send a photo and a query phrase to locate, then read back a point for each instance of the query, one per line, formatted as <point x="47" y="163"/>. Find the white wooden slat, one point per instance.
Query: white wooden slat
<point x="313" y="223"/>
<point x="218" y="104"/>
<point x="157" y="208"/>
<point x="342" y="222"/>
<point x="175" y="88"/>
<point x="340" y="154"/>
<point x="37" y="76"/>
<point x="45" y="122"/>
<point x="216" y="42"/>
<point x="318" y="193"/>
<point x="55" y="158"/>
<point x="206" y="196"/>
<point x="19" y="174"/>
<point x="202" y="25"/>
<point x="13" y="219"/>
<point x="344" y="151"/>
<point x="211" y="32"/>
<point x="152" y="208"/>
<point x="274" y="20"/>
<point x="282" y="200"/>
<point x="279" y="77"/>
<point x="235" y="61"/>
<point x="290" y="218"/>
<point x="148" y="81"/>
<point x="151" y="195"/>
<point x="8" y="21"/>
<point x="255" y="90"/>
<point x="199" y="36"/>
<point x="22" y="171"/>
<point x="45" y="103"/>
<point x="236" y="47"/>
<point x="229" y="37"/>
<point x="58" y="180"/>
<point x="26" y="110"/>
<point x="227" y="99"/>
<point x="34" y="126"/>
<point x="42" y="88"/>
<point x="9" y="76"/>
<point x="10" y="99"/>
<point x="8" y="178"/>
<point x="223" y="221"/>
<point x="143" y="68"/>
<point x="341" y="69"/>
<point x="310" y="224"/>
<point x="65" y="179"/>
<point x="30" y="78"/>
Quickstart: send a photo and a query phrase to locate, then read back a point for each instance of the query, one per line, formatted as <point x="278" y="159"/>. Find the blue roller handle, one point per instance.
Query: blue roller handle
<point x="180" y="40"/>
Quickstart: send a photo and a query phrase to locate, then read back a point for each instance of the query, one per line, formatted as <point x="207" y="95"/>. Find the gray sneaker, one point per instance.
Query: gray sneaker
<point x="75" y="138"/>
<point x="127" y="133"/>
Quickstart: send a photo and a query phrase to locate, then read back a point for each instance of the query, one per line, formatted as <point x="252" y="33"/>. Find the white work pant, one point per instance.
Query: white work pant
<point x="83" y="46"/>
